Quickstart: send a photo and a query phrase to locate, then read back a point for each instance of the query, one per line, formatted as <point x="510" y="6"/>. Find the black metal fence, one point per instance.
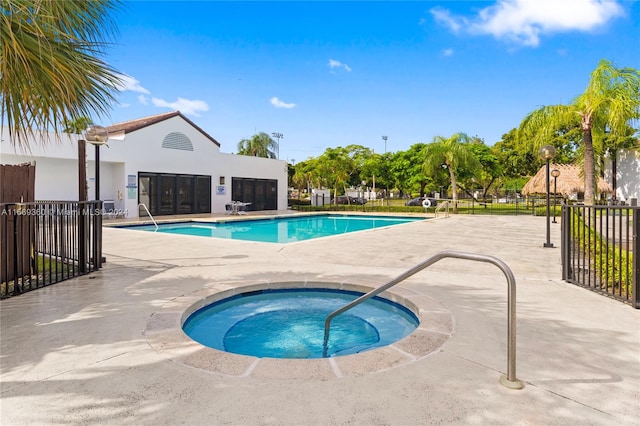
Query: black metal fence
<point x="45" y="242"/>
<point x="600" y="246"/>
<point x="536" y="206"/>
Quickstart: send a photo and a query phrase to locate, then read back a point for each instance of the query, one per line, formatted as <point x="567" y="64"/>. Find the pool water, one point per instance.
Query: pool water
<point x="280" y="230"/>
<point x="290" y="323"/>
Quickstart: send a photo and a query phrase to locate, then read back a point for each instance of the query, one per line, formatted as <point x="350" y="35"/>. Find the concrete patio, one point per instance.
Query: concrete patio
<point x="86" y="352"/>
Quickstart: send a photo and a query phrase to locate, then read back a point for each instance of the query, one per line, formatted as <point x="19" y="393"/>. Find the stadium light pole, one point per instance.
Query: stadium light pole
<point x="277" y="135"/>
<point x="547" y="152"/>
<point x="384" y="138"/>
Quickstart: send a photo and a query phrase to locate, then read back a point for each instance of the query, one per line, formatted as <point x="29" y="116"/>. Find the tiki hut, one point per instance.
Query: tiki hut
<point x="569" y="183"/>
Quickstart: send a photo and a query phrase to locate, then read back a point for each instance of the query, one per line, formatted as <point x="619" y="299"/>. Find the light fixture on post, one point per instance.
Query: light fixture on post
<point x="96" y="136"/>
<point x="555" y="173"/>
<point x="547" y="152"/>
<point x="384" y="138"/>
<point x="278" y="136"/>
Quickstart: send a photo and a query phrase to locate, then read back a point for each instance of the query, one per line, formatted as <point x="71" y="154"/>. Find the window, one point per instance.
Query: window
<point x="171" y="194"/>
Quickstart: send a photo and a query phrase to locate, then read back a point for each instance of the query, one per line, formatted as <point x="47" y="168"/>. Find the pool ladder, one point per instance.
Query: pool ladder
<point x="509" y="380"/>
<point x="149" y="213"/>
<point x="442" y="206"/>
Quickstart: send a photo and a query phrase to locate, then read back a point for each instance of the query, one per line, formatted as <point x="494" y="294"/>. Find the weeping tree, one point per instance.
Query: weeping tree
<point x="608" y="105"/>
<point x="259" y="145"/>
<point x="454" y="154"/>
<point x="51" y="71"/>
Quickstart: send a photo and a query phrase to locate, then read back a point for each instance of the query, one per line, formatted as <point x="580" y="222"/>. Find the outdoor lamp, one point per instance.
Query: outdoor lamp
<point x="96" y="136"/>
<point x="547" y="152"/>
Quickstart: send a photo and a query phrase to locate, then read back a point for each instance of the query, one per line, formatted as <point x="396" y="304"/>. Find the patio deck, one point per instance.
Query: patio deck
<point x="83" y="351"/>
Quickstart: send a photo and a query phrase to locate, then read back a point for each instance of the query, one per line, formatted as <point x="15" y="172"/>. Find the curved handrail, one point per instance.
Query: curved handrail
<point x="149" y="213"/>
<point x="441" y="206"/>
<point x="509" y="380"/>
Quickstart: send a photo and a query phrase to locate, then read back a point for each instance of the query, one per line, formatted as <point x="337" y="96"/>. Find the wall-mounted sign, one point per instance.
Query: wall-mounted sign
<point x="221" y="190"/>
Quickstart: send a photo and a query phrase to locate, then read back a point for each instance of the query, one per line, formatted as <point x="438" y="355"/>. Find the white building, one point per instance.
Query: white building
<point x="164" y="161"/>
<point x="627" y="175"/>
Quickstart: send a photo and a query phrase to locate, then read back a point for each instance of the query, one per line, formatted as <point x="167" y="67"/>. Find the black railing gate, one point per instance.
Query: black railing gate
<point x="600" y="250"/>
<point x="45" y="242"/>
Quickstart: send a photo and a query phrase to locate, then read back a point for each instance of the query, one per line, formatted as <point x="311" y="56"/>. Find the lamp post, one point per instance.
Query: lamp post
<point x="547" y="152"/>
<point x="96" y="136"/>
<point x="384" y="138"/>
<point x="555" y="173"/>
<point x="277" y="135"/>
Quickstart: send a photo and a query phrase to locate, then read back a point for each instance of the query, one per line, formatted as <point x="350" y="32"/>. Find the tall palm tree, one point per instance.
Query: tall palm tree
<point x="77" y="125"/>
<point x="609" y="104"/>
<point x="50" y="65"/>
<point x="260" y="145"/>
<point x="453" y="153"/>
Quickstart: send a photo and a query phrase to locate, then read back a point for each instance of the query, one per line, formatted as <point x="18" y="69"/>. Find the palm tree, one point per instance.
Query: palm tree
<point x="452" y="153"/>
<point x="77" y="125"/>
<point x="609" y="104"/>
<point x="260" y="145"/>
<point x="50" y="64"/>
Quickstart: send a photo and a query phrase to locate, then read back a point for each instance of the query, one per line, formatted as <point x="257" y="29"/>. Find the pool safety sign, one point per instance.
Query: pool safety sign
<point x="132" y="187"/>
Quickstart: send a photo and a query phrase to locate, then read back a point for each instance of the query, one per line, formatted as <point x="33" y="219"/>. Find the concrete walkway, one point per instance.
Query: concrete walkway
<point x="79" y="352"/>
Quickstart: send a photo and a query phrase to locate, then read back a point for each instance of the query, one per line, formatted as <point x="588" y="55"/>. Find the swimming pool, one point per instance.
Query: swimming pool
<point x="280" y="230"/>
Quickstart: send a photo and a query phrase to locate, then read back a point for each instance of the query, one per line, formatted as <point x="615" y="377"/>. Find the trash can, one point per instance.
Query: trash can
<point x="633" y="202"/>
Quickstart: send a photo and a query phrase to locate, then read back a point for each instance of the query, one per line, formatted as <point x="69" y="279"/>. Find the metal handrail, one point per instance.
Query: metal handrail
<point x="509" y="380"/>
<point x="442" y="206"/>
<point x="149" y="213"/>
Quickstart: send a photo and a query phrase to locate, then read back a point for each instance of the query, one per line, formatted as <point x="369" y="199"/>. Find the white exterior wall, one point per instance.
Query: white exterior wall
<point x="242" y="166"/>
<point x="140" y="151"/>
<point x="627" y="176"/>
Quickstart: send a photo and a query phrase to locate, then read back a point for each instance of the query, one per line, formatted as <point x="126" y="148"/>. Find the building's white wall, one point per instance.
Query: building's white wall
<point x="141" y="151"/>
<point x="243" y="166"/>
<point x="144" y="153"/>
<point x="627" y="176"/>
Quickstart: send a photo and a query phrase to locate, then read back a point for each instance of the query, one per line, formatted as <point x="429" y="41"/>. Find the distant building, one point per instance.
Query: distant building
<point x="627" y="176"/>
<point x="164" y="161"/>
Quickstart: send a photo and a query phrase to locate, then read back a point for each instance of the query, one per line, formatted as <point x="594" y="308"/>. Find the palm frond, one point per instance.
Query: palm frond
<point x="50" y="64"/>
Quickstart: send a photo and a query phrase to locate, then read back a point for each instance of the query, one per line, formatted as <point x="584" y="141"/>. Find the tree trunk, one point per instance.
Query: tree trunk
<point x="589" y="168"/>
<point x="614" y="174"/>
<point x="454" y="191"/>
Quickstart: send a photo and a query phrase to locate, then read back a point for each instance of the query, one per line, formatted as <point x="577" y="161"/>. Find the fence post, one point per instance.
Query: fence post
<point x="636" y="258"/>
<point x="565" y="229"/>
<point x="82" y="238"/>
<point x="16" y="289"/>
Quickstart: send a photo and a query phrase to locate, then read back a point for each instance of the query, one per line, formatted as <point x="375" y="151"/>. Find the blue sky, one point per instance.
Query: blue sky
<point x="329" y="74"/>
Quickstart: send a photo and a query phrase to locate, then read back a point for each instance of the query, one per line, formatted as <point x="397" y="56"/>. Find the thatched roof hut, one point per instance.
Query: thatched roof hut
<point x="569" y="183"/>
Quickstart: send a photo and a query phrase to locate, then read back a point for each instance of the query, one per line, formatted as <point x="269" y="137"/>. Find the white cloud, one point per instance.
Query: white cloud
<point x="131" y="84"/>
<point x="524" y="21"/>
<point x="186" y="106"/>
<point x="143" y="99"/>
<point x="337" y="64"/>
<point x="447" y="52"/>
<point x="279" y="104"/>
<point x="444" y="17"/>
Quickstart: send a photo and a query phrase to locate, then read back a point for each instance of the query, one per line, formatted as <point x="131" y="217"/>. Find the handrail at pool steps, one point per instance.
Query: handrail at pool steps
<point x="509" y="380"/>
<point x="441" y="206"/>
<point x="149" y="213"/>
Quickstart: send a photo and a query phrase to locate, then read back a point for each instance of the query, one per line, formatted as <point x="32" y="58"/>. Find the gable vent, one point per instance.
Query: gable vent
<point x="177" y="140"/>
